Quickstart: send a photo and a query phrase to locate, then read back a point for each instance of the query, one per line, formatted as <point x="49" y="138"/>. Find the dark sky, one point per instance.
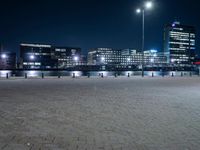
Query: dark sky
<point x="91" y="23"/>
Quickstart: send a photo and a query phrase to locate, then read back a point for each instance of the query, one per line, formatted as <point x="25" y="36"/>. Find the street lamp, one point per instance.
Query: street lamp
<point x="3" y="56"/>
<point x="147" y="5"/>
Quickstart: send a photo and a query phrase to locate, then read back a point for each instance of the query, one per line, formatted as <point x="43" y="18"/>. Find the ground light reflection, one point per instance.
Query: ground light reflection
<point x="4" y="73"/>
<point x="76" y="73"/>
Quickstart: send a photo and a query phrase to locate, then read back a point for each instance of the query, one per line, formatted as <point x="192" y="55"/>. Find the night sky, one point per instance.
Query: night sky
<point x="91" y="23"/>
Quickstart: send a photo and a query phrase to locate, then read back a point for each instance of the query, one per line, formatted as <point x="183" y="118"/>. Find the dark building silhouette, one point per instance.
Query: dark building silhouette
<point x="7" y="60"/>
<point x="41" y="56"/>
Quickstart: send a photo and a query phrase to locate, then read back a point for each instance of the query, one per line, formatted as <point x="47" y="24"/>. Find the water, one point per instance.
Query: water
<point x="36" y="73"/>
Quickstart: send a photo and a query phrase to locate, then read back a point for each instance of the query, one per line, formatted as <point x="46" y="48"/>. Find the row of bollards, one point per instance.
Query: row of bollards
<point x="102" y="75"/>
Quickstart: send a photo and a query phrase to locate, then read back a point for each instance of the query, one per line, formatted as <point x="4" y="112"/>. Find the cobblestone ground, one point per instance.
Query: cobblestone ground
<point x="100" y="114"/>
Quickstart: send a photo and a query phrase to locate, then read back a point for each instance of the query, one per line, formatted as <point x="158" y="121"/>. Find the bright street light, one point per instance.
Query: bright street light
<point x="138" y="11"/>
<point x="76" y="58"/>
<point x="102" y="58"/>
<point x="3" y="56"/>
<point x="149" y="5"/>
<point x="32" y="57"/>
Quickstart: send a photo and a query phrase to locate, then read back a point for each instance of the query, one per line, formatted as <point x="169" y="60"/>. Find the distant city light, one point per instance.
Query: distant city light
<point x="3" y="56"/>
<point x="32" y="57"/>
<point x="128" y="59"/>
<point x="172" y="60"/>
<point x="153" y="51"/>
<point x="102" y="58"/>
<point x="152" y="60"/>
<point x="76" y="58"/>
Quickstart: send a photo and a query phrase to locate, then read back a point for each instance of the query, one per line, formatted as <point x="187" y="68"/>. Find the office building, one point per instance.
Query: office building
<point x="36" y="56"/>
<point x="41" y="56"/>
<point x="179" y="44"/>
<point x="7" y="60"/>
<point x="67" y="57"/>
<point x="124" y="57"/>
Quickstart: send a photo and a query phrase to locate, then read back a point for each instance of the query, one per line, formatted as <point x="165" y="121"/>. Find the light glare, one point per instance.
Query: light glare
<point x="3" y="56"/>
<point x="32" y="57"/>
<point x="138" y="11"/>
<point x="76" y="58"/>
<point x="102" y="58"/>
<point x="149" y="5"/>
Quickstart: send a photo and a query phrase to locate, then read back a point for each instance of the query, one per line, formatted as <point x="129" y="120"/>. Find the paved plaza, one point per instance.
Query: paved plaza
<point x="100" y="114"/>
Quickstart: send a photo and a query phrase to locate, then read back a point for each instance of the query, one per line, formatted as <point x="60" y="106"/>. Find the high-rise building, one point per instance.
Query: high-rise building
<point x="7" y="60"/>
<point x="179" y="44"/>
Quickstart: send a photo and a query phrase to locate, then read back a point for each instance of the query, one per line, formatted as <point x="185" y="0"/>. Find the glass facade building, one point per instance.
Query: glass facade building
<point x="67" y="56"/>
<point x="40" y="56"/>
<point x="36" y="56"/>
<point x="123" y="57"/>
<point x="179" y="44"/>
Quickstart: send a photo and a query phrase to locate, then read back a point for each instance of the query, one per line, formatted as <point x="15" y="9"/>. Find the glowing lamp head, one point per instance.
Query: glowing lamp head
<point x="138" y="11"/>
<point x="152" y="60"/>
<point x="32" y="57"/>
<point x="149" y="5"/>
<point x="102" y="58"/>
<point x="76" y="58"/>
<point x="3" y="56"/>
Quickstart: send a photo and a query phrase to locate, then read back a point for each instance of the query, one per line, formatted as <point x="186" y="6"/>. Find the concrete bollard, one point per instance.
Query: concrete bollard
<point x="190" y="74"/>
<point x="59" y="76"/>
<point x="42" y="75"/>
<point x="115" y="75"/>
<point x="152" y="74"/>
<point x="181" y="74"/>
<point x="73" y="76"/>
<point x="26" y="76"/>
<point x="172" y="74"/>
<point x="102" y="75"/>
<point x="128" y="75"/>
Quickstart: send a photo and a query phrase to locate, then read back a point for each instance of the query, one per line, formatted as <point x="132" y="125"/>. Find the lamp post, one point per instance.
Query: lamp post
<point x="147" y="5"/>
